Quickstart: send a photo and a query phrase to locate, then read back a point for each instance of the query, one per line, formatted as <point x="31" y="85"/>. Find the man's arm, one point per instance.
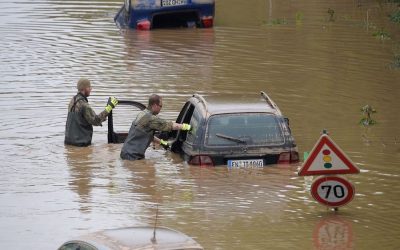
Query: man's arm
<point x="161" y="142"/>
<point x="177" y="126"/>
<point x="156" y="140"/>
<point x="92" y="118"/>
<point x="162" y="125"/>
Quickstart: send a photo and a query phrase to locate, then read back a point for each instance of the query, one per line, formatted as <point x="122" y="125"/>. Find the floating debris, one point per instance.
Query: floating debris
<point x="367" y="112"/>
<point x="331" y="13"/>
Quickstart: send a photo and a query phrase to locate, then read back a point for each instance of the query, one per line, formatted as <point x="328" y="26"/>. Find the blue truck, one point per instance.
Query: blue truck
<point x="152" y="14"/>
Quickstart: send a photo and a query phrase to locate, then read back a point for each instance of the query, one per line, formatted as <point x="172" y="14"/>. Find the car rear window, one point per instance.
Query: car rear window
<point x="245" y="128"/>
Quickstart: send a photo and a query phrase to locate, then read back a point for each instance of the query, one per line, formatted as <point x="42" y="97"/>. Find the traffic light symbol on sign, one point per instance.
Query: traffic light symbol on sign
<point x="327" y="158"/>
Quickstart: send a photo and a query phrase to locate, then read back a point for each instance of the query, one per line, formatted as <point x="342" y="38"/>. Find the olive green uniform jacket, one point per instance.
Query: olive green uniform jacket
<point x="141" y="134"/>
<point x="80" y="121"/>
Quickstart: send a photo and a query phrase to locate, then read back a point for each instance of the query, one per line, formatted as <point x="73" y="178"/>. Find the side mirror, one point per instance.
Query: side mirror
<point x="286" y="120"/>
<point x="288" y="123"/>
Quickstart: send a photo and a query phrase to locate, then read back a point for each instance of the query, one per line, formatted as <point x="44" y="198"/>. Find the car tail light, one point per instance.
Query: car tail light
<point x="284" y="158"/>
<point x="294" y="157"/>
<point x="288" y="157"/>
<point x="202" y="161"/>
<point x="207" y="22"/>
<point x="143" y="25"/>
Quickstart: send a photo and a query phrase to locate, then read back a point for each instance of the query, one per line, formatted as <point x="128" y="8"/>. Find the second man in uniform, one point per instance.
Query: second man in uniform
<point x="142" y="130"/>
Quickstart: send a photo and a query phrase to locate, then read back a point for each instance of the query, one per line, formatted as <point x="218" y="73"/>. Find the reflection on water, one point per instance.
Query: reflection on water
<point x="333" y="232"/>
<point x="320" y="72"/>
<point x="78" y="160"/>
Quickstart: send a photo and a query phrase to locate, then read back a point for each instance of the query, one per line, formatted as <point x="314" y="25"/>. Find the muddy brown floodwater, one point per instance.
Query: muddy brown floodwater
<point x="320" y="69"/>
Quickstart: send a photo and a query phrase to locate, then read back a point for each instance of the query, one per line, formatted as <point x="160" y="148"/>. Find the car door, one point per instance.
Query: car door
<point x="119" y="137"/>
<point x="192" y="140"/>
<point x="180" y="136"/>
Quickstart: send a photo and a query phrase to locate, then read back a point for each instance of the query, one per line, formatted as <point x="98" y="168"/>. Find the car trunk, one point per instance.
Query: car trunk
<point x="223" y="156"/>
<point x="176" y="19"/>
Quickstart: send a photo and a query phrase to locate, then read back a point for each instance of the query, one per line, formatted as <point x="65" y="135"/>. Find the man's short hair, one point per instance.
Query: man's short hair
<point x="154" y="99"/>
<point x="82" y="84"/>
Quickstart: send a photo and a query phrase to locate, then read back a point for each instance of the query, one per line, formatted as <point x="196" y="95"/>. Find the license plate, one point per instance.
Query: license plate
<point x="173" y="2"/>
<point x="255" y="163"/>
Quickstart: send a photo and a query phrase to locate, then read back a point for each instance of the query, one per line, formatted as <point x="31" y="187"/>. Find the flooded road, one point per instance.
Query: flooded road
<point x="319" y="68"/>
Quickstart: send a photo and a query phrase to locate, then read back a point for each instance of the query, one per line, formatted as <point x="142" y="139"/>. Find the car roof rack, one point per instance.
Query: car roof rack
<point x="202" y="100"/>
<point x="271" y="103"/>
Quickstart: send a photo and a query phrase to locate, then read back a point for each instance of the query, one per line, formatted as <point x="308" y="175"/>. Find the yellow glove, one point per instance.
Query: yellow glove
<point x="164" y="144"/>
<point x="186" y="127"/>
<point x="112" y="103"/>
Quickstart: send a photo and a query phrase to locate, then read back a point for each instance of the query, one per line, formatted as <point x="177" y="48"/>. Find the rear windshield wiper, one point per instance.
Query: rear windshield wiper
<point x="230" y="138"/>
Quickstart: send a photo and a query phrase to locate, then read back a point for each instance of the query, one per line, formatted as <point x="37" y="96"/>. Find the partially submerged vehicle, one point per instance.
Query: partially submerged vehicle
<point x="133" y="238"/>
<point x="241" y="131"/>
<point x="150" y="14"/>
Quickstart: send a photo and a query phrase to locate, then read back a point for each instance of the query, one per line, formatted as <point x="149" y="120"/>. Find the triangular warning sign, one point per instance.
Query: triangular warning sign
<point x="327" y="158"/>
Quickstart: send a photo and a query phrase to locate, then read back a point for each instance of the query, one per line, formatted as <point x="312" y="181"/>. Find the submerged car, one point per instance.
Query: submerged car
<point x="133" y="238"/>
<point x="238" y="131"/>
<point x="150" y="14"/>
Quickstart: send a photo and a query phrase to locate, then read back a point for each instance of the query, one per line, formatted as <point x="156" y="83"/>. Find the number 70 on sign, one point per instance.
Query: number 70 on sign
<point x="332" y="191"/>
<point x="338" y="191"/>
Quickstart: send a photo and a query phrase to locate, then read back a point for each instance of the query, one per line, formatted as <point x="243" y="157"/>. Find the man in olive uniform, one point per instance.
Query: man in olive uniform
<point x="141" y="133"/>
<point x="81" y="117"/>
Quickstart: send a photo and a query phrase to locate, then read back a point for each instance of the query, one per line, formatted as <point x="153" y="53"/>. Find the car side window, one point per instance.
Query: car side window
<point x="76" y="246"/>
<point x="194" y="122"/>
<point x="184" y="117"/>
<point x="181" y="116"/>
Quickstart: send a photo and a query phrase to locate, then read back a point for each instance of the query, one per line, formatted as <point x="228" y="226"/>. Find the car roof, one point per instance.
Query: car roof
<point x="224" y="104"/>
<point x="140" y="238"/>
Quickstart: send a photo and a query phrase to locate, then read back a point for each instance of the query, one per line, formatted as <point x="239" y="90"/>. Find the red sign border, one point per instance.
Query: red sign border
<point x="349" y="186"/>
<point x="317" y="149"/>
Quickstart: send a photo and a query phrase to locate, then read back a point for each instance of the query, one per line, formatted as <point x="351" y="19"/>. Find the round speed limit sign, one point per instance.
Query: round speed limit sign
<point x="332" y="191"/>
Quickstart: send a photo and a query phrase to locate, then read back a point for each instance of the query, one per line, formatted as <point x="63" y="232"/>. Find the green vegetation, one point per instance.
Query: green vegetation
<point x="395" y="16"/>
<point x="381" y="34"/>
<point x="396" y="61"/>
<point x="299" y="17"/>
<point x="367" y="112"/>
<point x="277" y="21"/>
<point x="346" y="17"/>
<point x="283" y="21"/>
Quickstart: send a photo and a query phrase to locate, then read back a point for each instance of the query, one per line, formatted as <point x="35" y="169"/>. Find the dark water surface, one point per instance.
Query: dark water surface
<point x="320" y="72"/>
